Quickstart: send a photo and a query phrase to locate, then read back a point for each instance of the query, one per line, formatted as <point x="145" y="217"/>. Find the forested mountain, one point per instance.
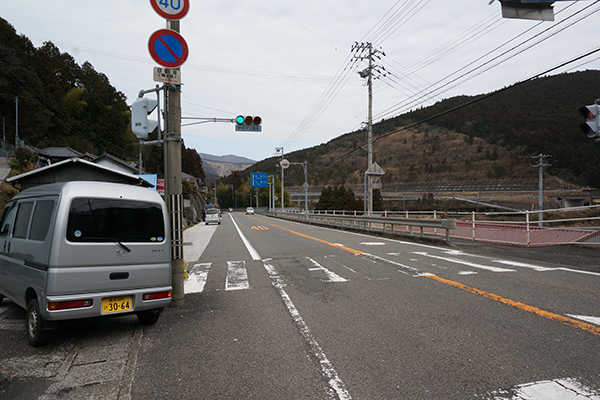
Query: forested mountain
<point x="494" y="138"/>
<point x="63" y="104"/>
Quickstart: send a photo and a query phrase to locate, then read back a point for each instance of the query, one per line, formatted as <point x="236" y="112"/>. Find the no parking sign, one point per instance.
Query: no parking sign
<point x="168" y="48"/>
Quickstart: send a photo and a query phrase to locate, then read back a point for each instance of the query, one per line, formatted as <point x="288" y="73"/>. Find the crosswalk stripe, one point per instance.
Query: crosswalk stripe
<point x="197" y="278"/>
<point x="237" y="276"/>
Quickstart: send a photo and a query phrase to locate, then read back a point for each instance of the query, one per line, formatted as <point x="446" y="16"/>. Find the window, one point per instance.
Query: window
<point x="22" y="220"/>
<point x="7" y="217"/>
<point x="109" y="220"/>
<point x="41" y="220"/>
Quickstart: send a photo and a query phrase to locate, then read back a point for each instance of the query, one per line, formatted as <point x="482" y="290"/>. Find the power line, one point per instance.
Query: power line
<point x="453" y="109"/>
<point x="485" y="66"/>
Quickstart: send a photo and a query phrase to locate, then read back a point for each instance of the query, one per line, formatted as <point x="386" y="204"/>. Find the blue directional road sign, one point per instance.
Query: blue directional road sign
<point x="259" y="179"/>
<point x="168" y="48"/>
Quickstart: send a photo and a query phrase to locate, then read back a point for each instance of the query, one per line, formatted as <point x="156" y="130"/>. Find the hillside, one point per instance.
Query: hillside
<point x="63" y="104"/>
<point x="491" y="139"/>
<point x="220" y="166"/>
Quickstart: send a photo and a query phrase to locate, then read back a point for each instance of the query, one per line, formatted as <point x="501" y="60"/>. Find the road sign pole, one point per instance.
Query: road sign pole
<point x="174" y="190"/>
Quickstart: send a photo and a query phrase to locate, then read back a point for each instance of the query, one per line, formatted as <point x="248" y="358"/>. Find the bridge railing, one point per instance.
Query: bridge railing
<point x="578" y="225"/>
<point x="381" y="223"/>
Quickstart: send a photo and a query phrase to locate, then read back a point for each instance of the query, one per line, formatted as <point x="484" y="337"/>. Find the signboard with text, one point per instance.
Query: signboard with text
<point x="259" y="179"/>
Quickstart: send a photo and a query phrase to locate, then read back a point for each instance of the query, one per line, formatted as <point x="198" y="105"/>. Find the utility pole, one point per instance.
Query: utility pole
<point x="278" y="150"/>
<point x="541" y="164"/>
<point x="17" y="122"/>
<point x="173" y="180"/>
<point x="365" y="51"/>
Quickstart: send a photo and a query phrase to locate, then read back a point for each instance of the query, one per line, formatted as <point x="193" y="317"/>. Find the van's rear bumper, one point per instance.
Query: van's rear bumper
<point x="95" y="310"/>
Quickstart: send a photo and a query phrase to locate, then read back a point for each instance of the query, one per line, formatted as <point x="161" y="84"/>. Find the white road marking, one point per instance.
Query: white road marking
<point x="593" y="320"/>
<point x="237" y="276"/>
<point x="372" y="243"/>
<point x="523" y="265"/>
<point x="338" y="389"/>
<point x="331" y="276"/>
<point x="556" y="389"/>
<point x="519" y="264"/>
<point x="332" y="258"/>
<point x="467" y="263"/>
<point x="251" y="250"/>
<point x="196" y="278"/>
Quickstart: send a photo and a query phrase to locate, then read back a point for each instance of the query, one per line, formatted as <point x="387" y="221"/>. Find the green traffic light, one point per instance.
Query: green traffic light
<point x="240" y="120"/>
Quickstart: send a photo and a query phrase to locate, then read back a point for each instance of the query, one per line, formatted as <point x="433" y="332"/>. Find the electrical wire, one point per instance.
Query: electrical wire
<point x="451" y="110"/>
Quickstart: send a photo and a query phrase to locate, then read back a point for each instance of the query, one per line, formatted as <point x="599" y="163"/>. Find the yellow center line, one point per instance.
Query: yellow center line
<point x="546" y="314"/>
<point x="320" y="240"/>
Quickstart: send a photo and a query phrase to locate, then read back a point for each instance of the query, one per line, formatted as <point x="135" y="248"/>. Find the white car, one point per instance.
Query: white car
<point x="212" y="215"/>
<point x="249" y="211"/>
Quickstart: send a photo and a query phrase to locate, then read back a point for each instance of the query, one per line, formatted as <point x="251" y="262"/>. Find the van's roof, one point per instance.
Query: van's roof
<point x="91" y="189"/>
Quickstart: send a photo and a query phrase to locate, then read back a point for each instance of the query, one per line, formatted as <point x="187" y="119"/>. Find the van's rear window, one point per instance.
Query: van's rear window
<point x="106" y="220"/>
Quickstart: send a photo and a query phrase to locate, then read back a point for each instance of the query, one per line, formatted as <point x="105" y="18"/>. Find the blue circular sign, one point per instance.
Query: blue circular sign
<point x="168" y="48"/>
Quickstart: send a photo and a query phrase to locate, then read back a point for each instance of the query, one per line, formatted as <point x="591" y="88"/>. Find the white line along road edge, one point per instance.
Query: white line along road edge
<point x="329" y="373"/>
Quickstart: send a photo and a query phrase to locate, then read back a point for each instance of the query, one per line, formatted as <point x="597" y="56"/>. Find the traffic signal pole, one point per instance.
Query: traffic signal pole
<point x="173" y="185"/>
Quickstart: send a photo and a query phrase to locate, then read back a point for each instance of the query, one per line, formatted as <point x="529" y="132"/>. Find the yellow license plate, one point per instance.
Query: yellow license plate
<point x="116" y="304"/>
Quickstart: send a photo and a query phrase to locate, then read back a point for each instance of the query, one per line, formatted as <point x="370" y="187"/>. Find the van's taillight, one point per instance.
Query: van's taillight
<point x="155" y="296"/>
<point x="65" y="305"/>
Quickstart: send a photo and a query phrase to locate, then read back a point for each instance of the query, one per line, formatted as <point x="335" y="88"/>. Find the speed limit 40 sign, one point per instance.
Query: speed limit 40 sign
<point x="172" y="10"/>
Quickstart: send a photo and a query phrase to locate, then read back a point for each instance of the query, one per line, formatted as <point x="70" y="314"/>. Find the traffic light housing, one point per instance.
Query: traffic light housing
<point x="592" y="126"/>
<point x="248" y="123"/>
<point x="141" y="126"/>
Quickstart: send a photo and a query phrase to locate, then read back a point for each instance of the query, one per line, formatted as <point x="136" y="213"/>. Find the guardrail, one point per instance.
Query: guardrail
<point x="385" y="224"/>
<point x="577" y="225"/>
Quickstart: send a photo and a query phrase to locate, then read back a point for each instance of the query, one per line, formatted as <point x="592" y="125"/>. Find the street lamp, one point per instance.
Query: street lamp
<point x="305" y="168"/>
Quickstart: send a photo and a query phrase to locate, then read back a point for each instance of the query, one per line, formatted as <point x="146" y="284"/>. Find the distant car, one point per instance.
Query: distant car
<point x="230" y="209"/>
<point x="249" y="211"/>
<point x="212" y="216"/>
<point x="206" y="207"/>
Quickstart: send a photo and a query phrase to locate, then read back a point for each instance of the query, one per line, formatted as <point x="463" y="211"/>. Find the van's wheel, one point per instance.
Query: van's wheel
<point x="37" y="334"/>
<point x="149" y="317"/>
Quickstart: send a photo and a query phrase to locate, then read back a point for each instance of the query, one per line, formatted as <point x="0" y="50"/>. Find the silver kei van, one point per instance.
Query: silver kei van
<point x="85" y="249"/>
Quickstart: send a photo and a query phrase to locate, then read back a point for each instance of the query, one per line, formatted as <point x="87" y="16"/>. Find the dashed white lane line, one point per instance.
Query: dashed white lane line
<point x="463" y="262"/>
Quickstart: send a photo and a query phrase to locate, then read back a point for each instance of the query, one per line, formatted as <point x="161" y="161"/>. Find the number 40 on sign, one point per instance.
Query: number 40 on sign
<point x="171" y="9"/>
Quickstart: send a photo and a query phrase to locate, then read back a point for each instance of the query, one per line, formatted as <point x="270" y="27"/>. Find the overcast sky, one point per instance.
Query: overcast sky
<point x="291" y="62"/>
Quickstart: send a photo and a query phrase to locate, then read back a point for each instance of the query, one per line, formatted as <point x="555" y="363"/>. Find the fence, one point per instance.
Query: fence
<point x="578" y="225"/>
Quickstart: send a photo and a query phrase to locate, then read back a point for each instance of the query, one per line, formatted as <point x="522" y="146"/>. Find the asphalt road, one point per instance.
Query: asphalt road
<point x="281" y="310"/>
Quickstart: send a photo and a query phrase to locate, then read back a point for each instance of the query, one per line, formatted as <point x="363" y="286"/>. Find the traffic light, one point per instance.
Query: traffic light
<point x="140" y="125"/>
<point x="248" y="123"/>
<point x="592" y="126"/>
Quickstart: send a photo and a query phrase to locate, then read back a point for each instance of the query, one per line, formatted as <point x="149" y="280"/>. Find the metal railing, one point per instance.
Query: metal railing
<point x="578" y="225"/>
<point x="373" y="223"/>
